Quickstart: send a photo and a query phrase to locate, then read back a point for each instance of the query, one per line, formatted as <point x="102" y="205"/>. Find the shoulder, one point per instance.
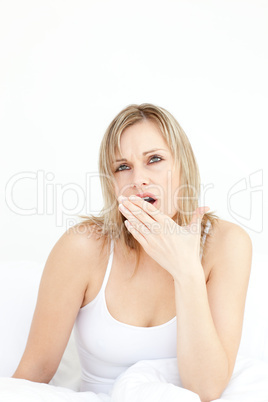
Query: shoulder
<point x="79" y="248"/>
<point x="229" y="245"/>
<point x="223" y="232"/>
<point x="220" y="229"/>
<point x="81" y="235"/>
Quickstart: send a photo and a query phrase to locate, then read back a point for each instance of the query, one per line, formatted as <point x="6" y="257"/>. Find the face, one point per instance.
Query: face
<point x="147" y="168"/>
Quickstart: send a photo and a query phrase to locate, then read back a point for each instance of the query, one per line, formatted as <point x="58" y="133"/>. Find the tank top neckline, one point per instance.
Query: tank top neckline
<point x="103" y="288"/>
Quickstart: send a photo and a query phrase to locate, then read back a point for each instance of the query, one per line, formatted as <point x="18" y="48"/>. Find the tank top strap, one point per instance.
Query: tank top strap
<point x="206" y="230"/>
<point x="109" y="266"/>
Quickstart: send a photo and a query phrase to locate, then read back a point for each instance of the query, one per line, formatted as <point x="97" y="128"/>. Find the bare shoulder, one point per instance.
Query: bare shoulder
<point x="222" y="229"/>
<point x="84" y="236"/>
<point x="79" y="248"/>
<point x="228" y="242"/>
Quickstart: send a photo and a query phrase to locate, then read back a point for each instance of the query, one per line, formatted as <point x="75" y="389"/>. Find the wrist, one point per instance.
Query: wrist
<point x="191" y="274"/>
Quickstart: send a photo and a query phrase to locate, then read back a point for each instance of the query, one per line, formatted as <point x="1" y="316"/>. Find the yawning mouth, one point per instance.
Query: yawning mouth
<point x="151" y="198"/>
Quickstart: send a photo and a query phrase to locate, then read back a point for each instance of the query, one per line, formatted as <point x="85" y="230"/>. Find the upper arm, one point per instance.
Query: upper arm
<point x="61" y="292"/>
<point x="228" y="283"/>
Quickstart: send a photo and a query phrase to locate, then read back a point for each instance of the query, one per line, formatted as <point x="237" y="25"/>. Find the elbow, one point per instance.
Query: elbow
<point x="210" y="397"/>
<point x="36" y="375"/>
<point x="207" y="392"/>
<point x="210" y="386"/>
<point x="211" y="393"/>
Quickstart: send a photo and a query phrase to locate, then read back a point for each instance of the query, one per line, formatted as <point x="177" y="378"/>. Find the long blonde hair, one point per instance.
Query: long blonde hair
<point x="110" y="222"/>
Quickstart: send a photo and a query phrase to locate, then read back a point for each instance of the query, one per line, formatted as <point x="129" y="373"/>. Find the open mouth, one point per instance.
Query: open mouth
<point x="149" y="199"/>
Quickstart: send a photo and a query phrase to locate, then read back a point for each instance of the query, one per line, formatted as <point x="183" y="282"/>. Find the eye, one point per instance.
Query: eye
<point x="125" y="167"/>
<point x="120" y="168"/>
<point x="156" y="157"/>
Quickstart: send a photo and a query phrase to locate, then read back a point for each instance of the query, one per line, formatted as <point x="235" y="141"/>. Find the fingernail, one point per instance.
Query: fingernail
<point x="122" y="208"/>
<point x="121" y="198"/>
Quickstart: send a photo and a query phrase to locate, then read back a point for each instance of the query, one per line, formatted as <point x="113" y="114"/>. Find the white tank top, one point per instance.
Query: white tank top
<point x="107" y="347"/>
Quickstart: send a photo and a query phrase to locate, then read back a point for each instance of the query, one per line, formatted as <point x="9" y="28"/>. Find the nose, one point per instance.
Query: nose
<point x="140" y="178"/>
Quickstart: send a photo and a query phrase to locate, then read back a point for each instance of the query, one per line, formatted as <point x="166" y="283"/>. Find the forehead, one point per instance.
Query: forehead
<point x="142" y="136"/>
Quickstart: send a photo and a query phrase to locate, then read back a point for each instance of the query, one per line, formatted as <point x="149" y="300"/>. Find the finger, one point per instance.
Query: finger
<point x="149" y="208"/>
<point x="140" y="223"/>
<point x="128" y="207"/>
<point x="136" y="234"/>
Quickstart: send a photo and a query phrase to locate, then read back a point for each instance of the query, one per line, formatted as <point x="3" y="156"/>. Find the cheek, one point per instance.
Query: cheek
<point x="121" y="185"/>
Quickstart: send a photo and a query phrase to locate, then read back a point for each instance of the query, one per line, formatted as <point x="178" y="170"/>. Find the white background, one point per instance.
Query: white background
<point x="68" y="67"/>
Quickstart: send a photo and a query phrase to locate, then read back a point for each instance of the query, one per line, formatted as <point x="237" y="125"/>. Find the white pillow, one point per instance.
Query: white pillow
<point x="19" y="283"/>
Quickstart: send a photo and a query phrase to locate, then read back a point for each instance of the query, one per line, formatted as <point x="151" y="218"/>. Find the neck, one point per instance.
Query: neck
<point x="131" y="254"/>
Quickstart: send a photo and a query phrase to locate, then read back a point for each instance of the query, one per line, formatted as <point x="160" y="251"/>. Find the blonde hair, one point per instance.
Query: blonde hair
<point x="110" y="222"/>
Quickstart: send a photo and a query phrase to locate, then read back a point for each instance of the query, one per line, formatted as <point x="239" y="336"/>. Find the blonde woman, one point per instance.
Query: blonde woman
<point x="154" y="276"/>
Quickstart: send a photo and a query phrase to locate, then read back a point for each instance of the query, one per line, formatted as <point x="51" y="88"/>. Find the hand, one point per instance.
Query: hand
<point x="176" y="248"/>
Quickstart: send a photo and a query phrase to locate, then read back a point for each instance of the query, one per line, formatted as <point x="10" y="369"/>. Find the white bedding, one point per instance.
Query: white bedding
<point x="147" y="381"/>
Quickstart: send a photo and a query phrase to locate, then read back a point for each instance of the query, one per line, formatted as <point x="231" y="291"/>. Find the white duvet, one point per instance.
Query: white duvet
<point x="146" y="381"/>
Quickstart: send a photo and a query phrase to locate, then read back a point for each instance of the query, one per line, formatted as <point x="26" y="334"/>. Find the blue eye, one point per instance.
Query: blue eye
<point x="155" y="156"/>
<point x="125" y="167"/>
<point x="119" y="168"/>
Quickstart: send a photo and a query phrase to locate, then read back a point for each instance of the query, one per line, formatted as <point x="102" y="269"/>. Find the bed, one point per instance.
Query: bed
<point x="154" y="381"/>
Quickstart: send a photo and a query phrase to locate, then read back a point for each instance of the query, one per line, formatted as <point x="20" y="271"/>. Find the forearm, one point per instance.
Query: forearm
<point x="202" y="360"/>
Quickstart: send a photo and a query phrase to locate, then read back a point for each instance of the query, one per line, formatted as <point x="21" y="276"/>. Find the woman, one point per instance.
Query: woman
<point x="154" y="276"/>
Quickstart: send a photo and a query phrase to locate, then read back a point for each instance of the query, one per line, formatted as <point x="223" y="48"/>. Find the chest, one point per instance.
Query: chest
<point x="147" y="299"/>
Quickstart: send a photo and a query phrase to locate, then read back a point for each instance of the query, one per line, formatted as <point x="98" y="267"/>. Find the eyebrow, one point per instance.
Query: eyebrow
<point x="144" y="153"/>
